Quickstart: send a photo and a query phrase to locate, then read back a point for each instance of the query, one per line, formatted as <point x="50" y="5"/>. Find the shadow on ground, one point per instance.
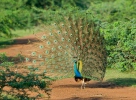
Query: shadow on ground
<point x="90" y="98"/>
<point x="25" y="41"/>
<point x="111" y="83"/>
<point x="6" y="43"/>
<point x="123" y="81"/>
<point x="95" y="98"/>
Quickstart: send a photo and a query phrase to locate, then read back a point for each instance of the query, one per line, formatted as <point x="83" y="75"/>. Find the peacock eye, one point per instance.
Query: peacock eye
<point x="27" y="59"/>
<point x="60" y="47"/>
<point x="68" y="40"/>
<point x="41" y="46"/>
<point x="53" y="49"/>
<point x="71" y="35"/>
<point x="34" y="61"/>
<point x="59" y="32"/>
<point x="39" y="56"/>
<point x="43" y="37"/>
<point x="47" y="52"/>
<point x="50" y="34"/>
<point x="33" y="53"/>
<point x="48" y="43"/>
<point x="62" y="39"/>
<point x="55" y="41"/>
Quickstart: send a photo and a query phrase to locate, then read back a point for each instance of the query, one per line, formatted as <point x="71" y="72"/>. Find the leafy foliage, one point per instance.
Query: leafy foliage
<point x="117" y="18"/>
<point x="26" y="13"/>
<point x="20" y="83"/>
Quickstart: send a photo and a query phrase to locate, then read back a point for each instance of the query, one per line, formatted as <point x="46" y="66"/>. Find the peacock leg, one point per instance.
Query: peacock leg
<point x="83" y="84"/>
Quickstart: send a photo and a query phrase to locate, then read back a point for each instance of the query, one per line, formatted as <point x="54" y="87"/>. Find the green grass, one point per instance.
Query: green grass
<point x="21" y="33"/>
<point x="26" y="32"/>
<point x="121" y="78"/>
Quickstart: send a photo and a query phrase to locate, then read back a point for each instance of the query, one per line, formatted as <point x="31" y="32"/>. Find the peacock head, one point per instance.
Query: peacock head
<point x="75" y="61"/>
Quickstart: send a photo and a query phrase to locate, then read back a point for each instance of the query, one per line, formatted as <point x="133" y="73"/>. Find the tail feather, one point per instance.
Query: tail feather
<point x="73" y="39"/>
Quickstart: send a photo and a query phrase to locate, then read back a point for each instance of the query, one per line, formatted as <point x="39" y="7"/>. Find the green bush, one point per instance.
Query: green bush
<point x="21" y="82"/>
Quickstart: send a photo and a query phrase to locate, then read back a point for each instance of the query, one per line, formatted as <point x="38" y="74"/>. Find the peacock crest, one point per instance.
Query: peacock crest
<point x="75" y="41"/>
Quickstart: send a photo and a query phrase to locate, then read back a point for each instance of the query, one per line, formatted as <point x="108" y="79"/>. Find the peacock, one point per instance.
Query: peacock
<point x="71" y="48"/>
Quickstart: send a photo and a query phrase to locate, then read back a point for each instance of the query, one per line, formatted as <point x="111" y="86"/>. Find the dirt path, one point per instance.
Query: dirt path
<point x="68" y="89"/>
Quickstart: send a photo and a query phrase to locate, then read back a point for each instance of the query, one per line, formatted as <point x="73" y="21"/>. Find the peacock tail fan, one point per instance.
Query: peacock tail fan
<point x="72" y="39"/>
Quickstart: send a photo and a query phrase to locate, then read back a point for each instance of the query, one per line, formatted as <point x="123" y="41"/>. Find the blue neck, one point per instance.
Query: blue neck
<point x="76" y="71"/>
